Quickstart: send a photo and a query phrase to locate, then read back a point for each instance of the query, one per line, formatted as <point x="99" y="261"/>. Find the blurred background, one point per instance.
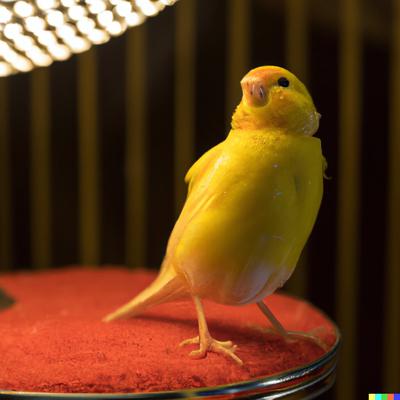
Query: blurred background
<point x="93" y="152"/>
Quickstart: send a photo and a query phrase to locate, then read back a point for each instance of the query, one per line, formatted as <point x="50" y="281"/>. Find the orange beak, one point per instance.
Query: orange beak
<point x="255" y="85"/>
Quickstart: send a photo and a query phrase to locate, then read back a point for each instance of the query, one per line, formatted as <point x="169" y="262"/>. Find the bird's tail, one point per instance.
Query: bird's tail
<point x="165" y="288"/>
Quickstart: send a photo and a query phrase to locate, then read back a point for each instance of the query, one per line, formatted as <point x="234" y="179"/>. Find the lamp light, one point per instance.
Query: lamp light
<point x="35" y="33"/>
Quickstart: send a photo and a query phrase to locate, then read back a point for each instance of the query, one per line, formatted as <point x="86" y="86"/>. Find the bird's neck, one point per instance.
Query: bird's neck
<point x="276" y="117"/>
<point x="243" y="119"/>
<point x="262" y="118"/>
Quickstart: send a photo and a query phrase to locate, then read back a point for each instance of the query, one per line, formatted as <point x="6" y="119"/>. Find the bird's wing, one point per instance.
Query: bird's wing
<point x="168" y="286"/>
<point x="198" y="169"/>
<point x="197" y="198"/>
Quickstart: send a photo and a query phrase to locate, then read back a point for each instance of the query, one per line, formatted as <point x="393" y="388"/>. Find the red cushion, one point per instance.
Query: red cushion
<point x="53" y="340"/>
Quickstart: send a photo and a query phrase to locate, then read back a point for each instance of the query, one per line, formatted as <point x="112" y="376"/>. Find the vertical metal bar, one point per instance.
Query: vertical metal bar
<point x="296" y="60"/>
<point x="5" y="182"/>
<point x="136" y="179"/>
<point x="184" y="96"/>
<point x="349" y="188"/>
<point x="40" y="169"/>
<point x="297" y="38"/>
<point x="392" y="291"/>
<point x="88" y="158"/>
<point x="238" y="52"/>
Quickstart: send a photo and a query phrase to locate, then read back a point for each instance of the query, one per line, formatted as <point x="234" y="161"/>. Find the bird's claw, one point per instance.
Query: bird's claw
<point x="194" y="340"/>
<point x="226" y="348"/>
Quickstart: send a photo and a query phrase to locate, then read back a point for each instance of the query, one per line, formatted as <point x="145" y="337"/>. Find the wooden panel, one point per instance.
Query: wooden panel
<point x="296" y="61"/>
<point x="88" y="158"/>
<point x="392" y="290"/>
<point x="40" y="169"/>
<point x="184" y="96"/>
<point x="350" y="54"/>
<point x="136" y="151"/>
<point x="6" y="226"/>
<point x="238" y="52"/>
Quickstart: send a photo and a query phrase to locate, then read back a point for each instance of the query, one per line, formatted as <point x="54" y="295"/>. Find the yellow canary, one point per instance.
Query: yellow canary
<point x="251" y="205"/>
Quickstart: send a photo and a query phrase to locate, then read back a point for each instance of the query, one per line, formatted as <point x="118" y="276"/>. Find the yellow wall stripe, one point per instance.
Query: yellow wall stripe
<point x="88" y="158"/>
<point x="184" y="96"/>
<point x="238" y="52"/>
<point x="40" y="169"/>
<point x="136" y="151"/>
<point x="392" y="295"/>
<point x="348" y="192"/>
<point x="296" y="60"/>
<point x="5" y="182"/>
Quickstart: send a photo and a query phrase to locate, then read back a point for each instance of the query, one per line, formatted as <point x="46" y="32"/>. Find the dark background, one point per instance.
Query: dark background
<point x="322" y="280"/>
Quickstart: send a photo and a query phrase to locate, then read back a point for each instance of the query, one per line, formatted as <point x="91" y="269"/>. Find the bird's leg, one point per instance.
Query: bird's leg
<point x="275" y="323"/>
<point x="206" y="342"/>
<point x="277" y="326"/>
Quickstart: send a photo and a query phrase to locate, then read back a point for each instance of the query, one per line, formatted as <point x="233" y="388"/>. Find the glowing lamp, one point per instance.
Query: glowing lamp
<point x="36" y="33"/>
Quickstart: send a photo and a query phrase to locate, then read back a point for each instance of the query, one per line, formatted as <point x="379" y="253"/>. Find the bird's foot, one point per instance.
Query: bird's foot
<point x="226" y="348"/>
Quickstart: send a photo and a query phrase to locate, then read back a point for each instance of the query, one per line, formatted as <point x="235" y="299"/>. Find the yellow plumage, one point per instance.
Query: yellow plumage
<point x="251" y="205"/>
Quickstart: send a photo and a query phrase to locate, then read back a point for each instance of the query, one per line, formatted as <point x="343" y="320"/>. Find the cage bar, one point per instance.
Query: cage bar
<point x="88" y="159"/>
<point x="185" y="71"/>
<point x="136" y="151"/>
<point x="6" y="222"/>
<point x="238" y="51"/>
<point x="296" y="60"/>
<point x="392" y="284"/>
<point x="40" y="169"/>
<point x="350" y="72"/>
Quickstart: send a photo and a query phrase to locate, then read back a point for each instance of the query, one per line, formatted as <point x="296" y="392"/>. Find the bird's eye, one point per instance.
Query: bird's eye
<point x="283" y="82"/>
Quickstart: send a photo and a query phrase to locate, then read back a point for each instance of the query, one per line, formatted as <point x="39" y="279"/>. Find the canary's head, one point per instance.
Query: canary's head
<point x="273" y="98"/>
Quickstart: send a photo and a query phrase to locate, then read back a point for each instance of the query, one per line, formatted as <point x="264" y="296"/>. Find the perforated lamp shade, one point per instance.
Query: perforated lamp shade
<point x="35" y="33"/>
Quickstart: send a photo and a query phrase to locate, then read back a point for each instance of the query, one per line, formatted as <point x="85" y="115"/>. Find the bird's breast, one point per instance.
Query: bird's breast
<point x="248" y="222"/>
